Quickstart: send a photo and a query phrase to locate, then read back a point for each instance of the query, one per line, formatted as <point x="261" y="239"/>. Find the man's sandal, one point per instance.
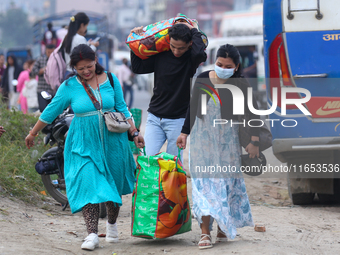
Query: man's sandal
<point x="221" y="239"/>
<point x="207" y="242"/>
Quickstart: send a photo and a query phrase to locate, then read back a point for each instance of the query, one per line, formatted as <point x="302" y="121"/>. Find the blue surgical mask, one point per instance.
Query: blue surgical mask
<point x="224" y="73"/>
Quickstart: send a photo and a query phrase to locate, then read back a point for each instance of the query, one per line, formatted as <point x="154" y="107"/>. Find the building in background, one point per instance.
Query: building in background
<point x="126" y="14"/>
<point x="241" y="5"/>
<point x="208" y="13"/>
<point x="123" y="15"/>
<point x="36" y="9"/>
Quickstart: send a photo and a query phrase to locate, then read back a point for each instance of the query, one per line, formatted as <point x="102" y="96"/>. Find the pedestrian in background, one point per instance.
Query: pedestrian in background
<point x="49" y="37"/>
<point x="30" y="93"/>
<point x="23" y="77"/>
<point x="39" y="69"/>
<point x="2" y="66"/>
<point x="99" y="165"/>
<point x="221" y="198"/>
<point x="77" y="30"/>
<point x="124" y="77"/>
<point x="9" y="82"/>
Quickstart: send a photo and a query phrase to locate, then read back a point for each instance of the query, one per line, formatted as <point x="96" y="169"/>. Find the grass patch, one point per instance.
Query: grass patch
<point x="18" y="177"/>
<point x="4" y="212"/>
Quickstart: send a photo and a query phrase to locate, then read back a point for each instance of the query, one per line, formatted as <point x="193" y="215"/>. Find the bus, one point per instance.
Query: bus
<point x="301" y="52"/>
<point x="98" y="27"/>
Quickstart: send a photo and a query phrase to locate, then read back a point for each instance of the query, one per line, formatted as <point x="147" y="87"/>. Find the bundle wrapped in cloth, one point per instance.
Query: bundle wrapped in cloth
<point x="155" y="38"/>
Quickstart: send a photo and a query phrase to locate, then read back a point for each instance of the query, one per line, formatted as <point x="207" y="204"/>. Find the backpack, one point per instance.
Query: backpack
<point x="55" y="69"/>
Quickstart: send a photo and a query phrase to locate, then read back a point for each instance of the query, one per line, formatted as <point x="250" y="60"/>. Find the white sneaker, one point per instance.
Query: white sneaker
<point x="91" y="242"/>
<point x="111" y="233"/>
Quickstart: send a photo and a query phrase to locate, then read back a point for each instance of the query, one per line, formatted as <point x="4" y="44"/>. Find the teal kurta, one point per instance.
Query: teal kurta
<point x="99" y="165"/>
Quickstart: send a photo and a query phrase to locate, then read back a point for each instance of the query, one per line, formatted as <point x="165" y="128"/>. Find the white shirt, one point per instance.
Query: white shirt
<point x="77" y="39"/>
<point x="10" y="78"/>
<point x="30" y="92"/>
<point x="124" y="74"/>
<point x="61" y="33"/>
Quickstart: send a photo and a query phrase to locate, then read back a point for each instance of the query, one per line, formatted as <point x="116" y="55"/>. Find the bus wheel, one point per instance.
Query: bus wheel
<point x="298" y="197"/>
<point x="326" y="198"/>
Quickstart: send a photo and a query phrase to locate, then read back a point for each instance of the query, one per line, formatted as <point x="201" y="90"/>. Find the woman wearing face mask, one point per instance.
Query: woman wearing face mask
<point x="76" y="35"/>
<point x="218" y="192"/>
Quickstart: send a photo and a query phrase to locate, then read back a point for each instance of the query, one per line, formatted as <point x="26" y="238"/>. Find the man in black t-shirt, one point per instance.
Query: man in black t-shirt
<point x="173" y="71"/>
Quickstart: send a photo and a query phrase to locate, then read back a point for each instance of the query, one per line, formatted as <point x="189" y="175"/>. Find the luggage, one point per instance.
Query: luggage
<point x="155" y="39"/>
<point x="160" y="205"/>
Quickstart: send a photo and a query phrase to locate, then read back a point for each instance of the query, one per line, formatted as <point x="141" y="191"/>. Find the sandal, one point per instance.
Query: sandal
<point x="207" y="242"/>
<point x="221" y="239"/>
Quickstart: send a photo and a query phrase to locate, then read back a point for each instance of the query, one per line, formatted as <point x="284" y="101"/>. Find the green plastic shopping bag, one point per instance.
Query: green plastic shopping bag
<point x="137" y="117"/>
<point x="160" y="204"/>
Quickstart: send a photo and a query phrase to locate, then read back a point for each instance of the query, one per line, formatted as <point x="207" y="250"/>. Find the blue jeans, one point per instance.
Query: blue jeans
<point x="128" y="89"/>
<point x="158" y="130"/>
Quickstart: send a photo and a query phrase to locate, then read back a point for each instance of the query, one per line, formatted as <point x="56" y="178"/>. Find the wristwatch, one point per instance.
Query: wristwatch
<point x="255" y="143"/>
<point x="134" y="134"/>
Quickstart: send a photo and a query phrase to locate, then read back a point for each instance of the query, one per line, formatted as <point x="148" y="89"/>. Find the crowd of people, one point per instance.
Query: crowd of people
<point x="99" y="165"/>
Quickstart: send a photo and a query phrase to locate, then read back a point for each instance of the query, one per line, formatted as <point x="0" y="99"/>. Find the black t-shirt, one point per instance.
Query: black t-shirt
<point x="171" y="92"/>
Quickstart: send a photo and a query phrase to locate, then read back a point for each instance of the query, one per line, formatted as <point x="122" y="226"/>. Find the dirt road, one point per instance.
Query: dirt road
<point x="45" y="229"/>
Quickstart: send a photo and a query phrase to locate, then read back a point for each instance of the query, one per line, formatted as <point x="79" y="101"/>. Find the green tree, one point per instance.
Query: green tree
<point x="16" y="29"/>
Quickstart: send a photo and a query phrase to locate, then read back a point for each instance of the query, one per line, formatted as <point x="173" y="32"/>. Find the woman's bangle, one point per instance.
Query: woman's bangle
<point x="35" y="135"/>
<point x="133" y="130"/>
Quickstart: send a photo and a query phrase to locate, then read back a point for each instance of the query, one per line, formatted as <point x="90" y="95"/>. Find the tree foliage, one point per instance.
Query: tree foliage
<point x="16" y="29"/>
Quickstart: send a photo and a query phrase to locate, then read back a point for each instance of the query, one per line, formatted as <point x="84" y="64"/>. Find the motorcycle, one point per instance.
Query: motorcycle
<point x="53" y="179"/>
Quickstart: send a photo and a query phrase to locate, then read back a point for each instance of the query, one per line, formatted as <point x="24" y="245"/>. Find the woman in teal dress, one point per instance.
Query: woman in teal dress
<point x="99" y="166"/>
<point x="218" y="195"/>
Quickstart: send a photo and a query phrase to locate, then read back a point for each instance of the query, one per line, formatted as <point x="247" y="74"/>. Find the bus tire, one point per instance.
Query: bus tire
<point x="299" y="198"/>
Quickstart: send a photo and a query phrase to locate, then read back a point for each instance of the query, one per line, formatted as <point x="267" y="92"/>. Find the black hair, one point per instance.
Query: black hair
<point x="83" y="52"/>
<point x="14" y="60"/>
<point x="230" y="51"/>
<point x="49" y="26"/>
<point x="29" y="62"/>
<point x="32" y="75"/>
<point x="180" y="32"/>
<point x="74" y="25"/>
<point x="125" y="61"/>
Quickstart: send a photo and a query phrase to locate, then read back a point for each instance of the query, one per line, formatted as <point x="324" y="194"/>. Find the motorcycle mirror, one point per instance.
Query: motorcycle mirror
<point x="46" y="95"/>
<point x="14" y="82"/>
